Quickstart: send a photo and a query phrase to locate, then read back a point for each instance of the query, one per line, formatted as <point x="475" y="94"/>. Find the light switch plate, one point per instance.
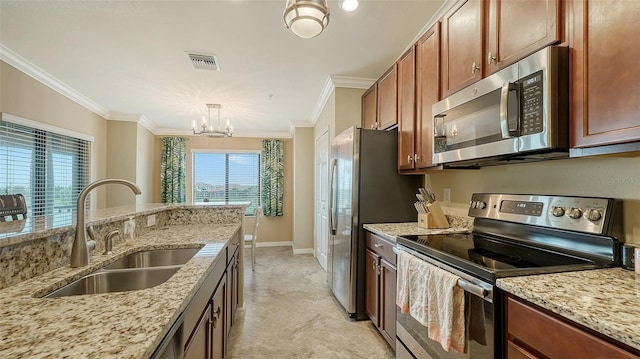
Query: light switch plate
<point x="151" y="220"/>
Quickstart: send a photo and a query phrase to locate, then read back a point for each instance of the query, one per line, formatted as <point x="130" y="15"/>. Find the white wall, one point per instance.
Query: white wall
<point x="303" y="208"/>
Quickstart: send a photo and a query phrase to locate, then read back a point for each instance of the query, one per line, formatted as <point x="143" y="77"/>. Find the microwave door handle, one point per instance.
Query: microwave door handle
<point x="505" y="129"/>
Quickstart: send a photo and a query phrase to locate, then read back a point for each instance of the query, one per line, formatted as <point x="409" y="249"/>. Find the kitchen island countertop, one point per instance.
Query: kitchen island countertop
<point x="112" y="325"/>
<point x="604" y="300"/>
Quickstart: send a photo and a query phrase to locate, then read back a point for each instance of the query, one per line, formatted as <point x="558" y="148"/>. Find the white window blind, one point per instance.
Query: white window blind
<point x="227" y="178"/>
<point x="49" y="169"/>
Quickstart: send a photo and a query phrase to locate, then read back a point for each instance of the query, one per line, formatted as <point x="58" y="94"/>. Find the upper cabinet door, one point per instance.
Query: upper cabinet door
<point x="370" y="108"/>
<point x="406" y="109"/>
<point x="462" y="45"/>
<point x="604" y="72"/>
<point x="387" y="99"/>
<point x="518" y="28"/>
<point x="427" y="93"/>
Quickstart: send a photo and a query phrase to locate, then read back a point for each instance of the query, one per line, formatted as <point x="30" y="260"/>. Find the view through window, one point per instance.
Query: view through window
<point x="227" y="178"/>
<point x="47" y="168"/>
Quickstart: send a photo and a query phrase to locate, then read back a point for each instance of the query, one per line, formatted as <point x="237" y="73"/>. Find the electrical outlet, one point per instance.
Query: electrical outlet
<point x="151" y="220"/>
<point x="446" y="195"/>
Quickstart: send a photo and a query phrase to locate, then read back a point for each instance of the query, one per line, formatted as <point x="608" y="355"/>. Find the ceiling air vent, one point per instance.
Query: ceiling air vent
<point x="204" y="62"/>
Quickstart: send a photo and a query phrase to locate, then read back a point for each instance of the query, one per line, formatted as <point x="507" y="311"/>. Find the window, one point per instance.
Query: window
<point x="48" y="168"/>
<point x="227" y="178"/>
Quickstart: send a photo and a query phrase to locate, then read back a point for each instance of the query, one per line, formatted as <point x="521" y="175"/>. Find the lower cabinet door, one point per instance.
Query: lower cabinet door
<point x="219" y="334"/>
<point x="372" y="289"/>
<point x="199" y="346"/>
<point x="388" y="302"/>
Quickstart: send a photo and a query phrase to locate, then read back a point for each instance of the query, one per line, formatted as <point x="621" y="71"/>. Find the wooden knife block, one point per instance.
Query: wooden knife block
<point x="434" y="219"/>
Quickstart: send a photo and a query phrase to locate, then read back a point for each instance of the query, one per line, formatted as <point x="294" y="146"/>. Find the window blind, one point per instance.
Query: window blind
<point x="227" y="178"/>
<point x="49" y="169"/>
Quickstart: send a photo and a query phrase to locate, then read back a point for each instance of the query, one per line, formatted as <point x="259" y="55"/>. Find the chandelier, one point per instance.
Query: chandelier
<point x="306" y="18"/>
<point x="206" y="126"/>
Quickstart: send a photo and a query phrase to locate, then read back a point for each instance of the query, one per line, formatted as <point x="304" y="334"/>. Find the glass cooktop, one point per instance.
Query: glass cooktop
<point x="490" y="258"/>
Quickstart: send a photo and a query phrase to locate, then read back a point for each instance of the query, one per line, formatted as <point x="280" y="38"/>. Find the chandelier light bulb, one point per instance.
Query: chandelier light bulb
<point x="349" y="5"/>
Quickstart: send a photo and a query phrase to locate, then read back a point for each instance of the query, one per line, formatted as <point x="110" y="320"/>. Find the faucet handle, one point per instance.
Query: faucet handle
<point x="91" y="233"/>
<point x="108" y="242"/>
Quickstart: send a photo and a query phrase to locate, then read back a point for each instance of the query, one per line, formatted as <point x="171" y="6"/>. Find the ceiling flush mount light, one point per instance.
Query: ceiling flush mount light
<point x="348" y="5"/>
<point x="306" y="18"/>
<point x="206" y="127"/>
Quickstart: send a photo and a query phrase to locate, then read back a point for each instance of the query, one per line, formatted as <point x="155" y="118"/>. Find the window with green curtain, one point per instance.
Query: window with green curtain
<point x="227" y="177"/>
<point x="173" y="170"/>
<point x="272" y="177"/>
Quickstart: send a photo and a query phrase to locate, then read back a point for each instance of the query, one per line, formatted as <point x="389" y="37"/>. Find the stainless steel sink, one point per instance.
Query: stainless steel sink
<point x="154" y="258"/>
<point x="107" y="281"/>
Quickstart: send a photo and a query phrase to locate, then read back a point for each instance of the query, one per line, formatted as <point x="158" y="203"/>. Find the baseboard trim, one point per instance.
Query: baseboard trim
<point x="303" y="251"/>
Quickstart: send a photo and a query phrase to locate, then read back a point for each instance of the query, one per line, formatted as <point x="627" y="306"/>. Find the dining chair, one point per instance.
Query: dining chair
<point x="251" y="238"/>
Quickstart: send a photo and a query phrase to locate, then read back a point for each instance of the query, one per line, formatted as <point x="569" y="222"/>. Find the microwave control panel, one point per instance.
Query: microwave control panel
<point x="532" y="112"/>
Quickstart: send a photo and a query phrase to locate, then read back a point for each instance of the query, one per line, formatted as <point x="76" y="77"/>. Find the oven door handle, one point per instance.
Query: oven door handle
<point x="472" y="288"/>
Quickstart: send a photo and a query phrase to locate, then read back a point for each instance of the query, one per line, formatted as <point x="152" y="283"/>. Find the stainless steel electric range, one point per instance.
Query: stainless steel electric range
<point x="513" y="235"/>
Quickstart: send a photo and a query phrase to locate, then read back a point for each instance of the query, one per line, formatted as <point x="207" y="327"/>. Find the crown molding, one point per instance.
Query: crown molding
<point x="133" y="117"/>
<point x="328" y="88"/>
<point x="165" y="131"/>
<point x="12" y="58"/>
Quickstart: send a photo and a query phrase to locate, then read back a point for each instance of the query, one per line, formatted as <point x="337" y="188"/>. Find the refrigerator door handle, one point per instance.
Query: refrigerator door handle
<point x="333" y="200"/>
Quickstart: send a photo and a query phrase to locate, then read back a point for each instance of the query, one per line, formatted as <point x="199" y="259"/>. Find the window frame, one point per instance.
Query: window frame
<point x="225" y="152"/>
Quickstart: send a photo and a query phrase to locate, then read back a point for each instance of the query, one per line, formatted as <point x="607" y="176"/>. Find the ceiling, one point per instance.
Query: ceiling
<point x="128" y="59"/>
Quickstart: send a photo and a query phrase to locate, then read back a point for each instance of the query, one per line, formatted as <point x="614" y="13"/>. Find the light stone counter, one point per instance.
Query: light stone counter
<point x="605" y="300"/>
<point x="114" y="325"/>
<point x="391" y="230"/>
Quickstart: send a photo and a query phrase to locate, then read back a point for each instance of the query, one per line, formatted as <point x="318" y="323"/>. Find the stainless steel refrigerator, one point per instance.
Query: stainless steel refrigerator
<point x="365" y="188"/>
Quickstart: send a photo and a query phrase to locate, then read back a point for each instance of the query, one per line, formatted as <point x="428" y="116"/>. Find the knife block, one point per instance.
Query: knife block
<point x="434" y="219"/>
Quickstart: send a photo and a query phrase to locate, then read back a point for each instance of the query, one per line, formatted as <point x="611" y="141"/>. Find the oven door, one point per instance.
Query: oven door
<point x="482" y="322"/>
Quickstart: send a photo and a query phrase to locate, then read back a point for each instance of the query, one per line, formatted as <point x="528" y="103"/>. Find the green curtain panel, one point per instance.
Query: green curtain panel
<point x="272" y="177"/>
<point x="173" y="170"/>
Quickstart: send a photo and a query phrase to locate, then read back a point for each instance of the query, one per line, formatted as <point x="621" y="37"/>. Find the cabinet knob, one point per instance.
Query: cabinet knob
<point x="409" y="158"/>
<point x="491" y="58"/>
<point x="416" y="158"/>
<point x="474" y="68"/>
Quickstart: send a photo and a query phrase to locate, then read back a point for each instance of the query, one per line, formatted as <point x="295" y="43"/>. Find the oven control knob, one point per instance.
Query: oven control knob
<point x="575" y="213"/>
<point x="594" y="215"/>
<point x="557" y="211"/>
<point x="481" y="205"/>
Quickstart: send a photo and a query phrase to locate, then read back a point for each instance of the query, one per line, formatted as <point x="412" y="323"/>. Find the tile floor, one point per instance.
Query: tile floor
<point x="290" y="313"/>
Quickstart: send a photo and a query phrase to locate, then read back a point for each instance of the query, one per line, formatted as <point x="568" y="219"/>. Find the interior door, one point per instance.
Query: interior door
<point x="322" y="198"/>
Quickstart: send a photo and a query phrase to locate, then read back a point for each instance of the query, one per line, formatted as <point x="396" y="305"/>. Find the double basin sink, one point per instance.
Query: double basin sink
<point x="139" y="270"/>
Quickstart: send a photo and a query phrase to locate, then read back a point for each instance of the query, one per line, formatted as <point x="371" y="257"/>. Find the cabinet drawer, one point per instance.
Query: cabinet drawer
<point x="382" y="247"/>
<point x="554" y="338"/>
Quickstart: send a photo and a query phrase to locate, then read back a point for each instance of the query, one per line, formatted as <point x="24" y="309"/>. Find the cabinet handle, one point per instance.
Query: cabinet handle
<point x="409" y="158"/>
<point x="416" y="158"/>
<point x="474" y="68"/>
<point x="377" y="245"/>
<point x="217" y="313"/>
<point x="491" y="59"/>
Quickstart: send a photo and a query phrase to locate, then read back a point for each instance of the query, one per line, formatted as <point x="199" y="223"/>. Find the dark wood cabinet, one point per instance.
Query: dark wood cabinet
<point x="380" y="291"/>
<point x="370" y="108"/>
<point x="218" y="319"/>
<point x="533" y="332"/>
<point x="427" y="93"/>
<point x="199" y="346"/>
<point x="406" y="67"/>
<point x="387" y="105"/>
<point x="462" y="45"/>
<point x="519" y="28"/>
<point x="604" y="72"/>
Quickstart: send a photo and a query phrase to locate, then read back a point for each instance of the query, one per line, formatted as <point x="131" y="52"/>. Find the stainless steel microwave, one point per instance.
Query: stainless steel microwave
<point x="515" y="115"/>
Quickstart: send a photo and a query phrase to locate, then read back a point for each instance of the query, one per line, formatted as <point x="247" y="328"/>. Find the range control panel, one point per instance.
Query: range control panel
<point x="583" y="214"/>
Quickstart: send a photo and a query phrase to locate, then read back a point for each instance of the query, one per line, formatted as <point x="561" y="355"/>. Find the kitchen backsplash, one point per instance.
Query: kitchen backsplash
<point x="45" y="251"/>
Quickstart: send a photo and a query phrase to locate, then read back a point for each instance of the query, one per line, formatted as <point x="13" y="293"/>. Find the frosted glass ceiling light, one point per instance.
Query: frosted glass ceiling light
<point x="349" y="5"/>
<point x="206" y="127"/>
<point x="306" y="18"/>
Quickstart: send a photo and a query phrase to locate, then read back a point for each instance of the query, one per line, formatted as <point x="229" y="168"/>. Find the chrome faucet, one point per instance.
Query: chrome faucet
<point x="80" y="248"/>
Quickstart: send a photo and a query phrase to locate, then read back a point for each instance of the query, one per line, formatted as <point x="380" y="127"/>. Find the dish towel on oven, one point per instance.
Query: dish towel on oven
<point x="433" y="299"/>
<point x="402" y="287"/>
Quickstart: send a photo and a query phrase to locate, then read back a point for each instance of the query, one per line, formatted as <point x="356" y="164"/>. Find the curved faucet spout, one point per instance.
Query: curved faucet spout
<point x="80" y="249"/>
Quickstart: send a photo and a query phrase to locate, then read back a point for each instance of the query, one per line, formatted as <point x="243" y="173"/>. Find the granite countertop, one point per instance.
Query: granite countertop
<point x="113" y="325"/>
<point x="605" y="300"/>
<point x="391" y="230"/>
